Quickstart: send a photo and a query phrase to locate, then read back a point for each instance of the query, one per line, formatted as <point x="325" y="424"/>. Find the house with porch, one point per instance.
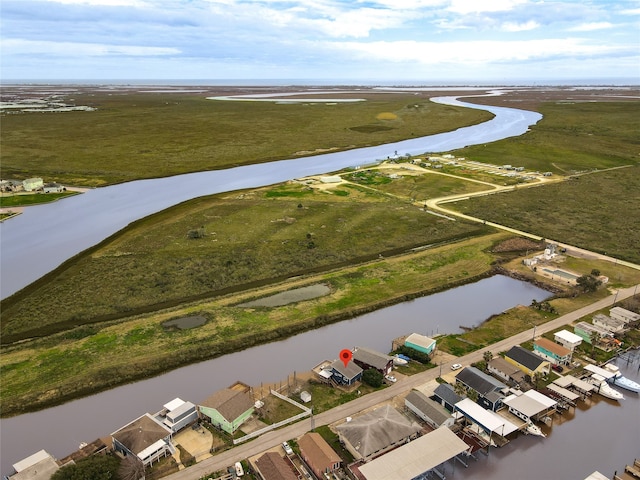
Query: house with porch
<point x="567" y="339"/>
<point x="551" y="351"/>
<point x="366" y="358"/>
<point x="489" y="390"/>
<point x="227" y="409"/>
<point x="144" y="438"/>
<point x="625" y="315"/>
<point x="527" y="361"/>
<point x="508" y="372"/>
<point x="612" y="325"/>
<point x="318" y="454"/>
<point x="177" y="414"/>
<point x="345" y="376"/>
<point x="587" y="330"/>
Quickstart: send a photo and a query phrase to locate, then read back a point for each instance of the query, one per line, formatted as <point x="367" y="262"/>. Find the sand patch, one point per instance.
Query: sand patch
<point x="386" y="116"/>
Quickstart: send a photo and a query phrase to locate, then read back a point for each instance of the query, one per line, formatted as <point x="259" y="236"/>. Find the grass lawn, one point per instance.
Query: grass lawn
<point x="142" y="135"/>
<point x="8" y="201"/>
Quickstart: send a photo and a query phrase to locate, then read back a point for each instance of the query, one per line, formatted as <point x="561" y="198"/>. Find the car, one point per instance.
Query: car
<point x="390" y="378"/>
<point x="557" y="368"/>
<point x="456" y="366"/>
<point x="287" y="448"/>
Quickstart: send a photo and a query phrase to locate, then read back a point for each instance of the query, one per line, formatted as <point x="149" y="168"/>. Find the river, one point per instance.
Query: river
<point x="59" y="430"/>
<point x="44" y="236"/>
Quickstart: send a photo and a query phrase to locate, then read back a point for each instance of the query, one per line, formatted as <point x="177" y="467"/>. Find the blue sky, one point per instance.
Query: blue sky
<point x="430" y="41"/>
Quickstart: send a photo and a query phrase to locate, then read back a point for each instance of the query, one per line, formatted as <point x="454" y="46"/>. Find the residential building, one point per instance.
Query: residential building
<point x="420" y="343"/>
<point x="613" y="325"/>
<point x="32" y="184"/>
<point x="271" y="466"/>
<point x="367" y="358"/>
<point x="527" y="361"/>
<point x="318" y="454"/>
<point x="446" y="396"/>
<point x="531" y="405"/>
<point x="145" y="438"/>
<point x="39" y="466"/>
<point x="625" y="315"/>
<point x="52" y="188"/>
<point x="567" y="339"/>
<point x="177" y="414"/>
<point x="345" y="375"/>
<point x="489" y="389"/>
<point x="555" y="353"/>
<point x="376" y="432"/>
<point x="228" y="409"/>
<point x="586" y="330"/>
<point x="508" y="372"/>
<point x="428" y="410"/>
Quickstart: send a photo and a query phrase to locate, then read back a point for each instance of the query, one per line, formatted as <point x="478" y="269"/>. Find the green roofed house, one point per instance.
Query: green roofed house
<point x="420" y="343"/>
<point x="228" y="409"/>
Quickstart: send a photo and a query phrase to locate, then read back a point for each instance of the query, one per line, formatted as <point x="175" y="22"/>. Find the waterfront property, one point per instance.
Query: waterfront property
<point x="428" y="410"/>
<point x="489" y="389"/>
<point x="625" y="315"/>
<point x="228" y="408"/>
<point x="488" y="421"/>
<point x="271" y="466"/>
<point x="345" y="375"/>
<point x="39" y="466"/>
<point x="367" y="358"/>
<point x="573" y="383"/>
<point x="177" y="414"/>
<point x="588" y="331"/>
<point x="318" y="454"/>
<point x="507" y="371"/>
<point x="376" y="432"/>
<point x="551" y="351"/>
<point x="446" y="396"/>
<point x="531" y="405"/>
<point x="567" y="339"/>
<point x="527" y="361"/>
<point x="612" y="325"/>
<point x="420" y="343"/>
<point x="144" y="438"/>
<point x="417" y="457"/>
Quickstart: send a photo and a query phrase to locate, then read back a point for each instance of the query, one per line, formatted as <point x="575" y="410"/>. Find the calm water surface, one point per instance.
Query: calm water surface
<point x="59" y="430"/>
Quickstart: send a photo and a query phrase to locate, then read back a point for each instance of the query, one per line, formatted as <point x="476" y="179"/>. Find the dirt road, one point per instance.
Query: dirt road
<point x="224" y="459"/>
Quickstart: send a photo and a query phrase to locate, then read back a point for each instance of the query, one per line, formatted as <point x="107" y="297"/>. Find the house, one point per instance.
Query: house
<point x="346" y="376"/>
<point x="39" y="466"/>
<point x="318" y="455"/>
<point x="446" y="396"/>
<point x="489" y="389"/>
<point x="428" y="410"/>
<point x="567" y="339"/>
<point x="586" y="330"/>
<point x="376" y="432"/>
<point x="32" y="184"/>
<point x="555" y="353"/>
<point x="367" y="358"/>
<point x="623" y="314"/>
<point x="271" y="466"/>
<point x="506" y="371"/>
<point x="531" y="405"/>
<point x="145" y="438"/>
<point x="527" y="361"/>
<point x="613" y="325"/>
<point x="177" y="414"/>
<point x="421" y="343"/>
<point x="227" y="409"/>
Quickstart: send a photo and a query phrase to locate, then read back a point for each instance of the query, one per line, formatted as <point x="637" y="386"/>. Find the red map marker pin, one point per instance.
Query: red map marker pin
<point x="346" y="355"/>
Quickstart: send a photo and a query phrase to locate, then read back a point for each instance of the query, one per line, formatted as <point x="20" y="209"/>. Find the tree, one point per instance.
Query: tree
<point x="487" y="356"/>
<point x="537" y="376"/>
<point x="372" y="377"/>
<point x="588" y="283"/>
<point x="96" y="467"/>
<point x="460" y="389"/>
<point x="595" y="272"/>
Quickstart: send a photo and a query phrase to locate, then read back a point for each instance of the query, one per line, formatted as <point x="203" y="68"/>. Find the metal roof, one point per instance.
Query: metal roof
<point x="446" y="393"/>
<point x="600" y="371"/>
<point x="525" y="357"/>
<point x="552" y="347"/>
<point x="420" y="340"/>
<point x="567" y="336"/>
<point x="569" y="395"/>
<point x="350" y="371"/>
<point x="416" y="457"/>
<point x="479" y="381"/>
<point x="371" y="357"/>
<point x="488" y="420"/>
<point x="173" y="404"/>
<point x="530" y="403"/>
<point x="427" y="407"/>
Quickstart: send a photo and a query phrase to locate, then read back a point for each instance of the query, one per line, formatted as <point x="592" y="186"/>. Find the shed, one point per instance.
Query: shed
<point x="428" y="410"/>
<point x="420" y="343"/>
<point x="417" y="457"/>
<point x="305" y="396"/>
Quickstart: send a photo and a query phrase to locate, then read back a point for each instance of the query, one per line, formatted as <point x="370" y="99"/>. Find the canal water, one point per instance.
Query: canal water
<point x="59" y="430"/>
<point x="44" y="236"/>
<point x="601" y="434"/>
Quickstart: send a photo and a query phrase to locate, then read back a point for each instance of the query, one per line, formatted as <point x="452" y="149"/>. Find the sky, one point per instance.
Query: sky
<point x="398" y="41"/>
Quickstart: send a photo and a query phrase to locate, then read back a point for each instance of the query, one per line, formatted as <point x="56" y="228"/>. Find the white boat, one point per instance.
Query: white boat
<point x="604" y="389"/>
<point x="399" y="361"/>
<point x="239" y="469"/>
<point x="534" y="430"/>
<point x="621" y="381"/>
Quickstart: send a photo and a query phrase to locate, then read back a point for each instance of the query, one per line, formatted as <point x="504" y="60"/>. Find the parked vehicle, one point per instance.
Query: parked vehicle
<point x="287" y="448"/>
<point x="390" y="378"/>
<point x="557" y="368"/>
<point x="456" y="366"/>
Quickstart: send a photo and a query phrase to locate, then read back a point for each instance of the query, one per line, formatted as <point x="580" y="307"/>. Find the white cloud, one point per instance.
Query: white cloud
<point x="588" y="27"/>
<point x="477" y="6"/>
<point x="16" y="46"/>
<point x="109" y="3"/>
<point x="520" y="27"/>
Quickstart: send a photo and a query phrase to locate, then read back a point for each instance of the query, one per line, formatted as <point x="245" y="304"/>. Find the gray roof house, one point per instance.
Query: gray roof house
<point x="367" y="358"/>
<point x="507" y="371"/>
<point x="145" y="438"/>
<point x="489" y="389"/>
<point x="348" y="375"/>
<point x="428" y="410"/>
<point x="446" y="396"/>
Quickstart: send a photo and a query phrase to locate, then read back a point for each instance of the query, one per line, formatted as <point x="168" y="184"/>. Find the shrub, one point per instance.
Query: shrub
<point x="372" y="377"/>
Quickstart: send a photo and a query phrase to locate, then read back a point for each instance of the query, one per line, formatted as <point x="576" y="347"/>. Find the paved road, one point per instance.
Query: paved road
<point x="224" y="459"/>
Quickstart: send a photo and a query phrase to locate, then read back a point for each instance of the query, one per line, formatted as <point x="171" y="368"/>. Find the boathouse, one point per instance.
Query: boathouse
<point x="428" y="410"/>
<point x="417" y="457"/>
<point x="489" y="389"/>
<point x="420" y="343"/>
<point x="367" y="358"/>
<point x="555" y="353"/>
<point x="567" y="339"/>
<point x="487" y="420"/>
<point x="527" y="361"/>
<point x="531" y="405"/>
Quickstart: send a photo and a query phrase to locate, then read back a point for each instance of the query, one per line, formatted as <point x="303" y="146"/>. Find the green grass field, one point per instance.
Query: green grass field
<point x="144" y="135"/>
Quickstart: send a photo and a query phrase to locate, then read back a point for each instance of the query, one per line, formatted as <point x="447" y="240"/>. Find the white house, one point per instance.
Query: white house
<point x="32" y="184"/>
<point x="611" y="324"/>
<point x="623" y="314"/>
<point x="567" y="339"/>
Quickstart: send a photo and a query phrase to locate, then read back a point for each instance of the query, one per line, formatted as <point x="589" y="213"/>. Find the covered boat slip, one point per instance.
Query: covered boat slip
<point x="606" y="374"/>
<point x="489" y="421"/>
<point x="416" y="457"/>
<point x="573" y="382"/>
<point x="565" y="394"/>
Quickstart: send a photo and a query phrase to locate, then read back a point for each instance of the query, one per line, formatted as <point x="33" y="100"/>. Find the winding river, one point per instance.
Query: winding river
<point x="44" y="236"/>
